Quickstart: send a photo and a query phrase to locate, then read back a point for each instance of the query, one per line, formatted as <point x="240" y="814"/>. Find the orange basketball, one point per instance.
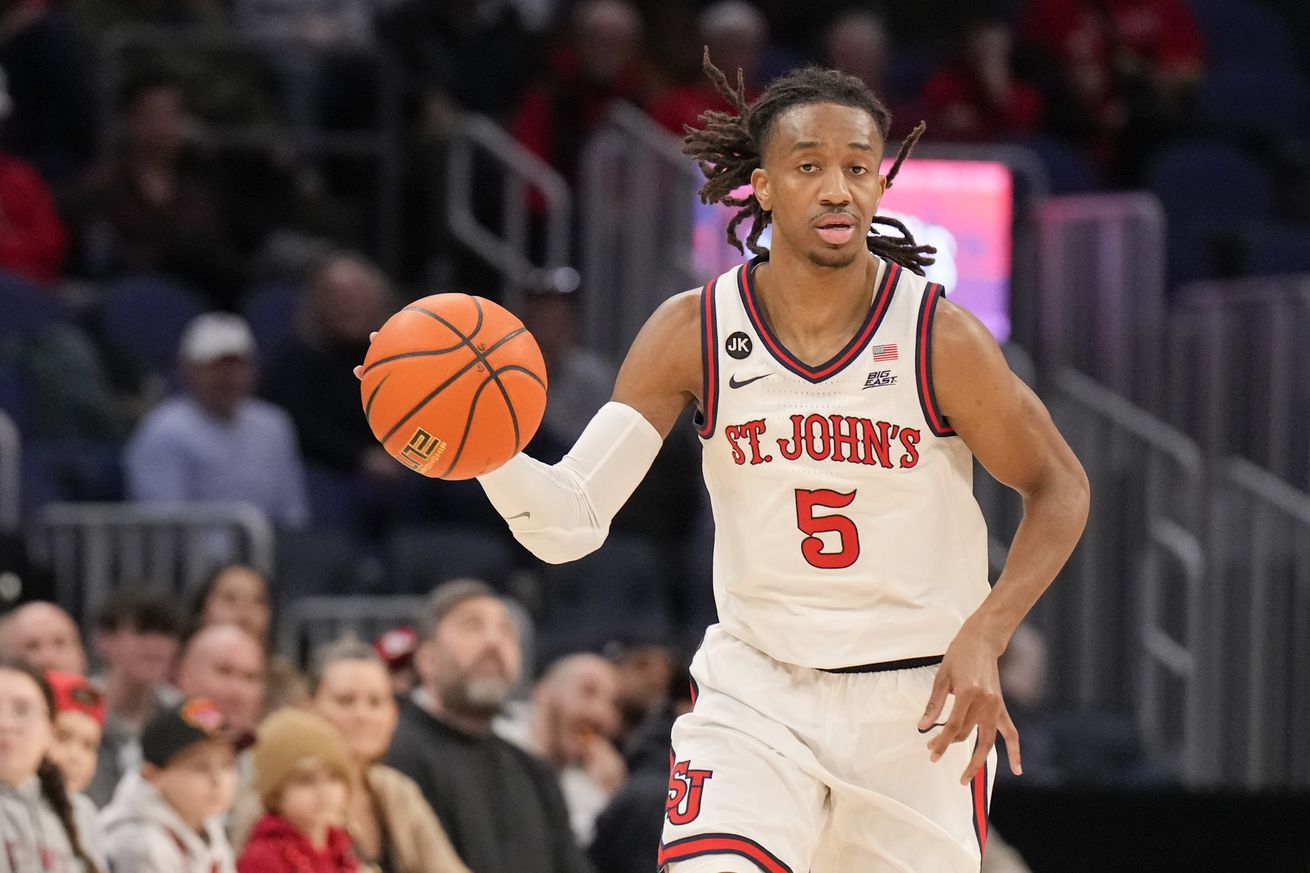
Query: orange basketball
<point x="453" y="386"/>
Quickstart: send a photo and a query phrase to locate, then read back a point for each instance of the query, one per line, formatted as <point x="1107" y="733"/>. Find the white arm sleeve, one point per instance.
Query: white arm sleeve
<point x="562" y="512"/>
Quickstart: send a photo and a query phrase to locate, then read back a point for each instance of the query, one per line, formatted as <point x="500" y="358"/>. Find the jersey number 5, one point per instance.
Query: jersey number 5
<point x="811" y="525"/>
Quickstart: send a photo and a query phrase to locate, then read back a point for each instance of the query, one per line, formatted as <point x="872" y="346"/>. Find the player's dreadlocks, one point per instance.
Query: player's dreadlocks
<point x="729" y="147"/>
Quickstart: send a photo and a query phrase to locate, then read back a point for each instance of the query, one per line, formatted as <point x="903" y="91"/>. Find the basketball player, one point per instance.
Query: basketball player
<point x="848" y="699"/>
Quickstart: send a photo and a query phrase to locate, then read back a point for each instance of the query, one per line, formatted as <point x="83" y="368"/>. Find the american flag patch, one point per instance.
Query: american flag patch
<point x="885" y="352"/>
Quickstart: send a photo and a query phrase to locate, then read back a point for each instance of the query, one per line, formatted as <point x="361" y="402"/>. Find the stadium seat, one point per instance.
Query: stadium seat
<point x="1274" y="248"/>
<point x="335" y="498"/>
<point x="1067" y="169"/>
<point x="24" y="307"/>
<point x="144" y="317"/>
<point x="1238" y="30"/>
<point x="13" y="395"/>
<point x="272" y="309"/>
<point x="617" y="592"/>
<point x="420" y="558"/>
<point x="1207" y="188"/>
<point x="1255" y="99"/>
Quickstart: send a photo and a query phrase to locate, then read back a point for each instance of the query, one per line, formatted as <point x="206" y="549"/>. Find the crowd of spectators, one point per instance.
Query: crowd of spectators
<point x="177" y="756"/>
<point x="216" y="275"/>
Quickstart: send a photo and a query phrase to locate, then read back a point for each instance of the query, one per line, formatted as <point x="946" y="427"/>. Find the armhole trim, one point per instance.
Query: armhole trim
<point x="709" y="358"/>
<point x="937" y="422"/>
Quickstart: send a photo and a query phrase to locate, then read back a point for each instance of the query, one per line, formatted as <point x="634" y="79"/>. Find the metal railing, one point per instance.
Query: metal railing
<point x="1238" y="359"/>
<point x="637" y="206"/>
<point x="509" y="249"/>
<point x="11" y="475"/>
<point x="1126" y="611"/>
<point x="93" y="549"/>
<point x="310" y="622"/>
<point x="1101" y="295"/>
<point x="1256" y="659"/>
<point x="298" y="65"/>
<point x="313" y="621"/>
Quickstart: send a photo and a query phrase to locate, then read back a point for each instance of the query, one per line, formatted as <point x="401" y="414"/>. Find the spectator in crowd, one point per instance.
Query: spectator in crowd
<point x="347" y="298"/>
<point x="391" y="825"/>
<point x="645" y="670"/>
<point x="580" y="380"/>
<point x="396" y="648"/>
<point x="571" y="726"/>
<point x="45" y="636"/>
<point x="225" y="665"/>
<point x="53" y="123"/>
<point x="238" y="595"/>
<point x="1120" y="68"/>
<point x="502" y="807"/>
<point x="152" y="207"/>
<point x="137" y="637"/>
<point x="167" y="816"/>
<point x="302" y="776"/>
<point x="44" y="827"/>
<point x="976" y="98"/>
<point x="32" y="238"/>
<point x="79" y="722"/>
<point x="600" y="65"/>
<point x="736" y="34"/>
<point x="216" y="441"/>
<point x="635" y="816"/>
<point x="856" y="43"/>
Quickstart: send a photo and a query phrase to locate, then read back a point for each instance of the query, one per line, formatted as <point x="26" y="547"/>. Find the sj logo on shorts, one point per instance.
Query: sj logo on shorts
<point x="685" y="788"/>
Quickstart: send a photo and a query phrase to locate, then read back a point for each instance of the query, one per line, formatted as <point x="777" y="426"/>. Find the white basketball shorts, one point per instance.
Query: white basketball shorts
<point x="787" y="769"/>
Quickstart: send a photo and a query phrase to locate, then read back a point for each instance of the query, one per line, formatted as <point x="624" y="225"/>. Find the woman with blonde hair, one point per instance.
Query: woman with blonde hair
<point x="393" y="828"/>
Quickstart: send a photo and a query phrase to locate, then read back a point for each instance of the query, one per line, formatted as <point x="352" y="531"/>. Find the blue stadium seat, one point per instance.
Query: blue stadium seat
<point x="1068" y="171"/>
<point x="25" y="307"/>
<point x="144" y="316"/>
<point x="1237" y="30"/>
<point x="13" y="395"/>
<point x="1274" y="248"/>
<point x="271" y="310"/>
<point x="1255" y="99"/>
<point x="336" y="499"/>
<point x="420" y="558"/>
<point x="617" y="592"/>
<point x="1206" y="188"/>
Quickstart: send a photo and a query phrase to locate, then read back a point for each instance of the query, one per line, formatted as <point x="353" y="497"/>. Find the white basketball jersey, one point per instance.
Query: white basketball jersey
<point x="846" y="531"/>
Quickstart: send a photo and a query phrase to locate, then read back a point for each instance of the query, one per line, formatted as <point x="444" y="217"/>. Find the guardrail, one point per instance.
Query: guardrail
<point x="1256" y="657"/>
<point x="509" y="249"/>
<point x="93" y="549"/>
<point x="1101" y="296"/>
<point x="1238" y="360"/>
<point x="11" y="475"/>
<point x="1126" y="611"/>
<point x="637" y="204"/>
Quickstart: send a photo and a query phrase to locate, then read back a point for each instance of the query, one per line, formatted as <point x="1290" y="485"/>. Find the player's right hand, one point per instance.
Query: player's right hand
<point x="359" y="368"/>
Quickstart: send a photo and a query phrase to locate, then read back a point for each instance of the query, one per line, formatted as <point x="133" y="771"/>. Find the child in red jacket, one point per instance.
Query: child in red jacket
<point x="302" y="774"/>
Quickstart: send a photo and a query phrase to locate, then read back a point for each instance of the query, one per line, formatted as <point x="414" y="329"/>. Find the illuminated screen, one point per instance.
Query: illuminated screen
<point x="964" y="208"/>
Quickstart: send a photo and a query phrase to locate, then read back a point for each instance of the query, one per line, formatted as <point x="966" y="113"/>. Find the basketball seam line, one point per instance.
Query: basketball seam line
<point x="368" y="407"/>
<point x="473" y="405"/>
<point x="491" y="372"/>
<point x="444" y="385"/>
<point x="403" y="355"/>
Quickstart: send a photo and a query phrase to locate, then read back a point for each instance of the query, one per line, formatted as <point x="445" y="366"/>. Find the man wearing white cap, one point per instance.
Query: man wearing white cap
<point x="217" y="441"/>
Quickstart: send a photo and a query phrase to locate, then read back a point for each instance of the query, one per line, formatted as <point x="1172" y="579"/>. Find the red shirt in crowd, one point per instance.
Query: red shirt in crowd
<point x="277" y="847"/>
<point x="958" y="106"/>
<point x="32" y="238"/>
<point x="1161" y="33"/>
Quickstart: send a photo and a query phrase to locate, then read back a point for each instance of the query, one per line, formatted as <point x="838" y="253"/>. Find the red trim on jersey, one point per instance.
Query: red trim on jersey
<point x="720" y="844"/>
<point x="881" y="299"/>
<point x="709" y="356"/>
<point x="980" y="807"/>
<point x="937" y="422"/>
<point x="695" y="692"/>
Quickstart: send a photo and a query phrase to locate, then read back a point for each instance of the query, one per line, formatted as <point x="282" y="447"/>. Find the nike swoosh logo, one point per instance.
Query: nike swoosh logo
<point x="733" y="383"/>
<point x="520" y="515"/>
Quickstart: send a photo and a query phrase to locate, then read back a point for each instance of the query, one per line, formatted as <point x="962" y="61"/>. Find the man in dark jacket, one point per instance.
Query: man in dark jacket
<point x="502" y="807"/>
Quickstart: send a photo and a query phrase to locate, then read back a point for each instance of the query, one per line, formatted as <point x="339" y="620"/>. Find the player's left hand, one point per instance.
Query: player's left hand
<point x="969" y="672"/>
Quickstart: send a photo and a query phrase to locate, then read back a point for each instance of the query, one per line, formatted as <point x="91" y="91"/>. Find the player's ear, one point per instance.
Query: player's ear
<point x="760" y="183"/>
